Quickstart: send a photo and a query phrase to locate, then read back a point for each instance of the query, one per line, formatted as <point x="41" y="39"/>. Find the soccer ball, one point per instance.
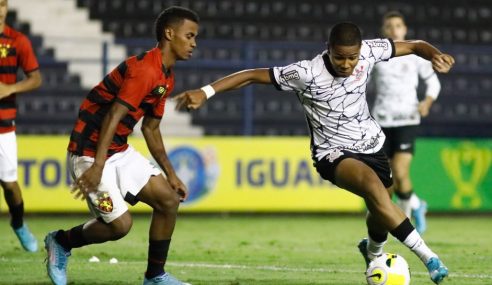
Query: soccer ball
<point x="388" y="269"/>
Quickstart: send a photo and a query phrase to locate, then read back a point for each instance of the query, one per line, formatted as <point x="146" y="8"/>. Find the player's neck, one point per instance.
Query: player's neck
<point x="168" y="57"/>
<point x="2" y="27"/>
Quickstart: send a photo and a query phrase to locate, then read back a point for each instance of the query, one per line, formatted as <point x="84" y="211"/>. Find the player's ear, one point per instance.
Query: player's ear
<point x="169" y="33"/>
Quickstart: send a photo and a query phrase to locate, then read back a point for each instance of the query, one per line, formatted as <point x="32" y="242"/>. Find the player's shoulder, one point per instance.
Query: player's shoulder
<point x="14" y="34"/>
<point x="309" y="65"/>
<point x="380" y="43"/>
<point x="144" y="64"/>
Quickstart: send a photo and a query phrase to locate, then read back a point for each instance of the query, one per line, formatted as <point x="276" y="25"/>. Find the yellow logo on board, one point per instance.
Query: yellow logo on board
<point x="467" y="166"/>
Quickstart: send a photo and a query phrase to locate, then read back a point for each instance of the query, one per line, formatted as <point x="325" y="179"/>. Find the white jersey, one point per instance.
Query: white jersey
<point x="335" y="107"/>
<point x="396" y="83"/>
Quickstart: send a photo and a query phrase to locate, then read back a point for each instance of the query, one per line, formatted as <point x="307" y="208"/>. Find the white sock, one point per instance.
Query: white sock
<point x="374" y="248"/>
<point x="418" y="246"/>
<point x="414" y="202"/>
<point x="405" y="206"/>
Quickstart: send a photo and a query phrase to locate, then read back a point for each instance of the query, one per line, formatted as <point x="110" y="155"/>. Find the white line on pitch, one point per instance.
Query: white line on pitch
<point x="258" y="267"/>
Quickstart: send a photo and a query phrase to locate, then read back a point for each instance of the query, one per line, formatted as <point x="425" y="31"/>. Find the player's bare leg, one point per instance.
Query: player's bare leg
<point x="408" y="200"/>
<point x="165" y="202"/>
<point x="13" y="197"/>
<point x="384" y="217"/>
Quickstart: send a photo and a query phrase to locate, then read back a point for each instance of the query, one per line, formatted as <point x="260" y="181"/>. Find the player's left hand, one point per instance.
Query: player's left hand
<point x="191" y="100"/>
<point x="442" y="63"/>
<point x="5" y="90"/>
<point x="179" y="187"/>
<point x="424" y="109"/>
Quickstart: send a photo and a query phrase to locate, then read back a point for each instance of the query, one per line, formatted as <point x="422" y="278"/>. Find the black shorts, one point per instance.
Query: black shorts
<point x="376" y="161"/>
<point x="400" y="139"/>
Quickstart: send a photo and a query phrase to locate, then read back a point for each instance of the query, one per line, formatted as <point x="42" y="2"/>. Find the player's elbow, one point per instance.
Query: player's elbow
<point x="36" y="80"/>
<point x="148" y="129"/>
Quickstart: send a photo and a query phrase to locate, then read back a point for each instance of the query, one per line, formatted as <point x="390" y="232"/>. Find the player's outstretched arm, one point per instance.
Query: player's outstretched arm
<point x="440" y="62"/>
<point x="153" y="138"/>
<point x="194" y="99"/>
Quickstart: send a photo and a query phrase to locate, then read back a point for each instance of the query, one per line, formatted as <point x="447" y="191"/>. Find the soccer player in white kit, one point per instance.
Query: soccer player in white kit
<point x="398" y="111"/>
<point x="346" y="141"/>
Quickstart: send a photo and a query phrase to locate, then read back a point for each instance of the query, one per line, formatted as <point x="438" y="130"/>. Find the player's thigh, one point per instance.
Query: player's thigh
<point x="158" y="194"/>
<point x="404" y="138"/>
<point x="8" y="157"/>
<point x="400" y="164"/>
<point x="107" y="202"/>
<point x="357" y="177"/>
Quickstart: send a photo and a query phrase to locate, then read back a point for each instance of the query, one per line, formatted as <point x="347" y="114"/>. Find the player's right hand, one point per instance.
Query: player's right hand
<point x="442" y="63"/>
<point x="191" y="100"/>
<point x="87" y="182"/>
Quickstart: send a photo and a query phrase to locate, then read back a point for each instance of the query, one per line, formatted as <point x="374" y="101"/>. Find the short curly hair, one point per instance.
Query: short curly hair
<point x="172" y="16"/>
<point x="345" y="34"/>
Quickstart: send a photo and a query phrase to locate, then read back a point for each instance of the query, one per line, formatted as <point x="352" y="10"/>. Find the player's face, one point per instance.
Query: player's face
<point x="3" y="10"/>
<point x="344" y="59"/>
<point x="183" y="41"/>
<point x="394" y="28"/>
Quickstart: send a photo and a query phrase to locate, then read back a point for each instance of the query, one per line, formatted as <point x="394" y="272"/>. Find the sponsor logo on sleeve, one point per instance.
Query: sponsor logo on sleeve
<point x="378" y="44"/>
<point x="291" y="75"/>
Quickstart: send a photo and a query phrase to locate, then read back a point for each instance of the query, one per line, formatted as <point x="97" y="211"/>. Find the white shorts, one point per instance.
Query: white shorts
<point x="8" y="157"/>
<point x="124" y="175"/>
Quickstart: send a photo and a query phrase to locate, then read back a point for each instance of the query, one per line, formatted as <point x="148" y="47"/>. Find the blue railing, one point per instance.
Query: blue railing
<point x="249" y="57"/>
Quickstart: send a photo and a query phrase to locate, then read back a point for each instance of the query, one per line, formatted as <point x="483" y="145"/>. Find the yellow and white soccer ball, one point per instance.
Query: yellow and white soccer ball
<point x="388" y="269"/>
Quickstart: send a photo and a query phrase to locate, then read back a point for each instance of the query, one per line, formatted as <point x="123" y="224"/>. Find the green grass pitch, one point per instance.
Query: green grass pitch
<point x="240" y="250"/>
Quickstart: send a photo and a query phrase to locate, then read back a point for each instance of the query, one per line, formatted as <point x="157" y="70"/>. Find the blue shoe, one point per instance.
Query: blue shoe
<point x="419" y="217"/>
<point x="363" y="250"/>
<point x="163" y="279"/>
<point x="56" y="262"/>
<point x="437" y="270"/>
<point x="26" y="238"/>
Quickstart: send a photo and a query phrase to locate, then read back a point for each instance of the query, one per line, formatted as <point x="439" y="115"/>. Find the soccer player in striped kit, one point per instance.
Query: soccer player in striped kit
<point x="398" y="111"/>
<point x="15" y="51"/>
<point x="108" y="172"/>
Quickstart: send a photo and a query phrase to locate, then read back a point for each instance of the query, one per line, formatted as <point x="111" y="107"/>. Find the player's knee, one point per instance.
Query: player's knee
<point x="121" y="227"/>
<point x="9" y="186"/>
<point x="169" y="203"/>
<point x="374" y="190"/>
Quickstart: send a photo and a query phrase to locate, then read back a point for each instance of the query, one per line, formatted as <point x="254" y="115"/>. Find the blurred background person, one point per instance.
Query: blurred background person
<point x="15" y="51"/>
<point x="398" y="110"/>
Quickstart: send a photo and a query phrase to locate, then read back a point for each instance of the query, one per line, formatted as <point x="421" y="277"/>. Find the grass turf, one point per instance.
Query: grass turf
<point x="242" y="250"/>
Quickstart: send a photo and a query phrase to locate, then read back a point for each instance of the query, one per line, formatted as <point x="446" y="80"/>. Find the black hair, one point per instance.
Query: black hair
<point x="393" y="14"/>
<point x="345" y="34"/>
<point x="172" y="16"/>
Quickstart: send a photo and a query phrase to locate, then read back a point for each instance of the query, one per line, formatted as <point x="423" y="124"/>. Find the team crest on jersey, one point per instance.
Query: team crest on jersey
<point x="159" y="91"/>
<point x="334" y="155"/>
<point x="291" y="75"/>
<point x="359" y="73"/>
<point x="104" y="202"/>
<point x="4" y="50"/>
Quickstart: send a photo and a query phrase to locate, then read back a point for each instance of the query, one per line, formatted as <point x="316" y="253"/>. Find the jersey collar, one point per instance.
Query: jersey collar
<point x="328" y="65"/>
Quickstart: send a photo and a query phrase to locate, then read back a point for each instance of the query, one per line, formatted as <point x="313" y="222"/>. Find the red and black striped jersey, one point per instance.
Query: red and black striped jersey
<point x="140" y="83"/>
<point x="15" y="51"/>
